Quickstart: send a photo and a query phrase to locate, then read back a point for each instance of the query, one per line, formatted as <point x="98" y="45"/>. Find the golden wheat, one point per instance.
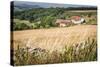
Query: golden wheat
<point x="54" y="38"/>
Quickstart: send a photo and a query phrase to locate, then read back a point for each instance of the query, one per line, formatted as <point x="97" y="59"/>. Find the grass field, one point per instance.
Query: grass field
<point x="54" y="38"/>
<point x="56" y="45"/>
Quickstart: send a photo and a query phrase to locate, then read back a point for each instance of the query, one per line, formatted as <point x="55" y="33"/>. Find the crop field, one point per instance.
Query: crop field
<point x="54" y="38"/>
<point x="56" y="41"/>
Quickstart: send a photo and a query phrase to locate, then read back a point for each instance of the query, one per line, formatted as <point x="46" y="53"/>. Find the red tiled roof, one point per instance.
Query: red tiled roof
<point x="76" y="18"/>
<point x="63" y="21"/>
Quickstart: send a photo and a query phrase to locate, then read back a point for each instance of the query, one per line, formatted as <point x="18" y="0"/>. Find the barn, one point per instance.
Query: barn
<point x="77" y="19"/>
<point x="62" y="22"/>
<point x="71" y="20"/>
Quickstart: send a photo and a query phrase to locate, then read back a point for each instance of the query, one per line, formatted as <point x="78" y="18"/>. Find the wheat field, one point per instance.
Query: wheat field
<point x="54" y="38"/>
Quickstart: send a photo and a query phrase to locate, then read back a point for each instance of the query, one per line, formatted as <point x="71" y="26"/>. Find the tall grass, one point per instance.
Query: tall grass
<point x="81" y="52"/>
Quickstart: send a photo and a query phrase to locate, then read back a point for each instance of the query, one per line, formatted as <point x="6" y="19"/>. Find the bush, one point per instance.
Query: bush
<point x="34" y="26"/>
<point x="21" y="26"/>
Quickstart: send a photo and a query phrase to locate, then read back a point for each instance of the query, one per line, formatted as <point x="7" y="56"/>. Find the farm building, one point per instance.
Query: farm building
<point x="63" y="23"/>
<point x="72" y="20"/>
<point x="77" y="19"/>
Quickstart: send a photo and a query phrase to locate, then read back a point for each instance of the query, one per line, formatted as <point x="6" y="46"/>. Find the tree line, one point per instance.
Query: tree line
<point x="40" y="17"/>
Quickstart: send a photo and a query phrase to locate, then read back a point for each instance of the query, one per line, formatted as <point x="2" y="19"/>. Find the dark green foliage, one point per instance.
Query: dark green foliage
<point x="20" y="26"/>
<point x="47" y="17"/>
<point x="47" y="21"/>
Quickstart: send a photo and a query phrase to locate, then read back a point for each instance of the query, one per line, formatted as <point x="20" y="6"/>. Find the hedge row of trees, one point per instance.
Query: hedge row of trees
<point x="46" y="22"/>
<point x="38" y="18"/>
<point x="41" y="17"/>
<point x="37" y="13"/>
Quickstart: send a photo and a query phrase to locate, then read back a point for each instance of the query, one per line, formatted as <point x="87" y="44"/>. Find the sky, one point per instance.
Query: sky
<point x="47" y="5"/>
